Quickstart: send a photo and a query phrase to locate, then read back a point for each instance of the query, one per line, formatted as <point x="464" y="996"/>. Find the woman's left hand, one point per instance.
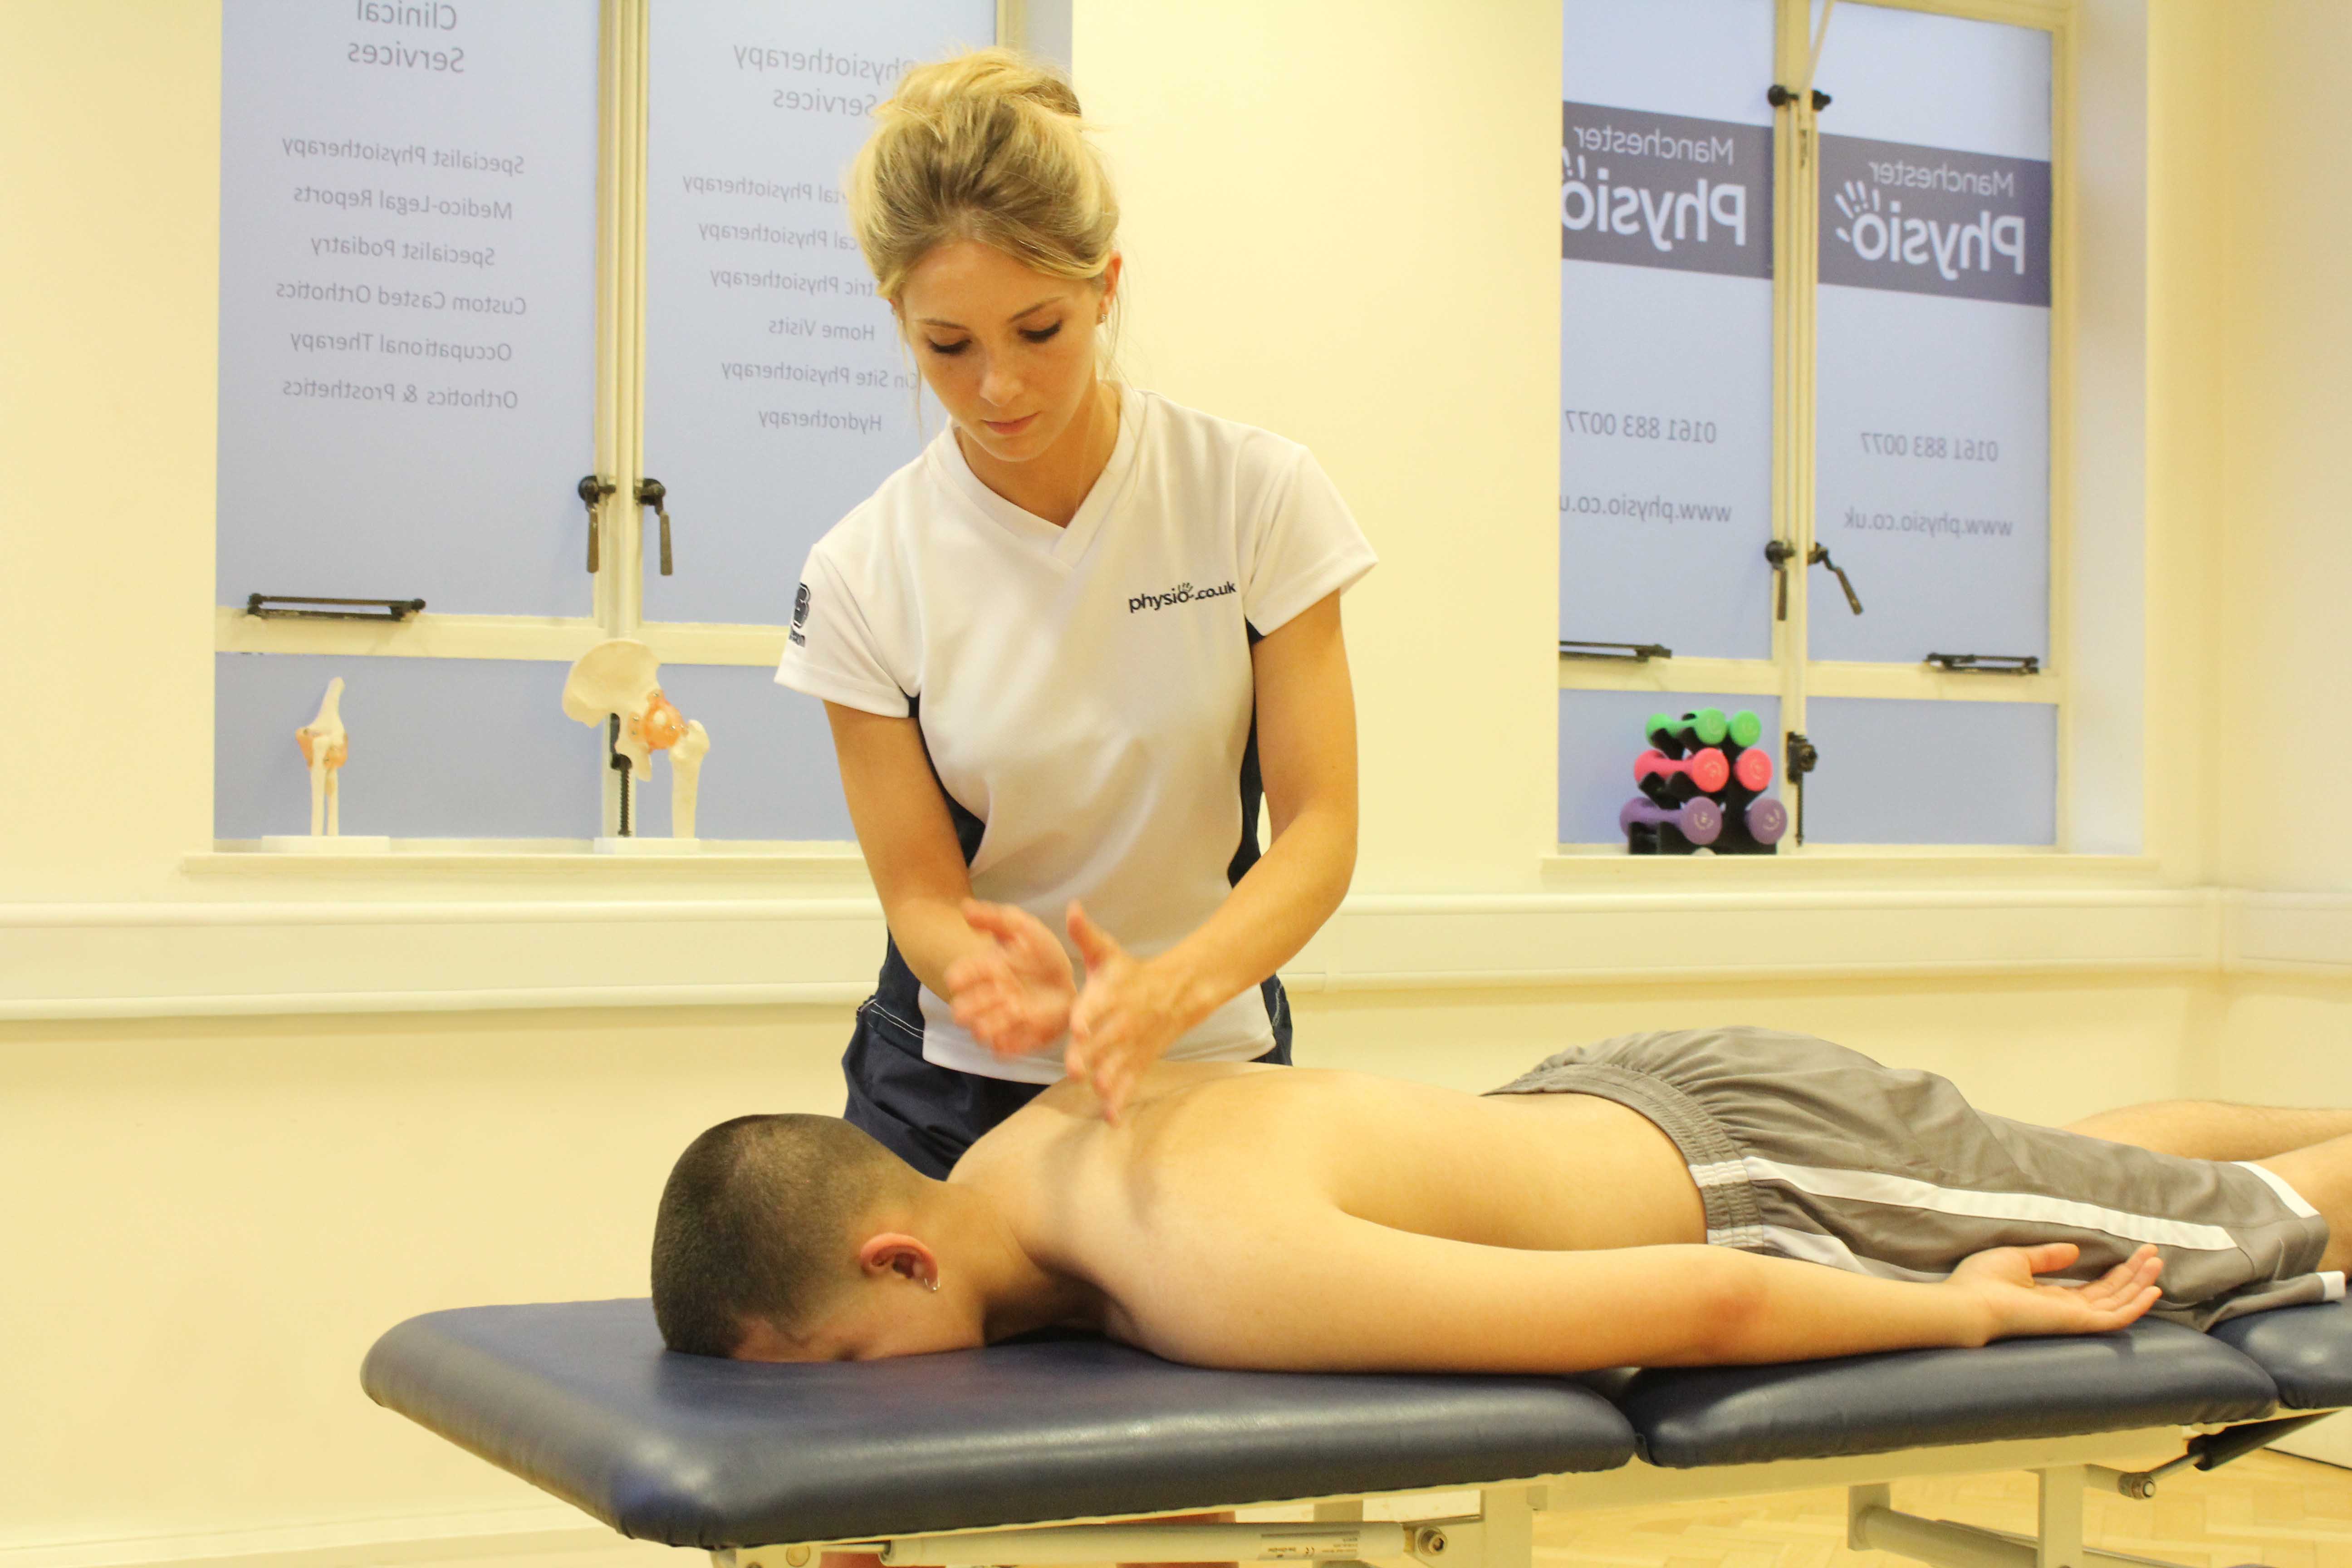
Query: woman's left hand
<point x="1129" y="1012"/>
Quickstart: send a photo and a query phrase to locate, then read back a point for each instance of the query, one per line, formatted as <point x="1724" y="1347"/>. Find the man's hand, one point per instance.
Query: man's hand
<point x="1130" y="1011"/>
<point x="2001" y="1282"/>
<point x="1015" y="995"/>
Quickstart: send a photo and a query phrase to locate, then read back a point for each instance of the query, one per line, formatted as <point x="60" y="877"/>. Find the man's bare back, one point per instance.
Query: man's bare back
<point x="1246" y="1216"/>
<point x="1203" y="1141"/>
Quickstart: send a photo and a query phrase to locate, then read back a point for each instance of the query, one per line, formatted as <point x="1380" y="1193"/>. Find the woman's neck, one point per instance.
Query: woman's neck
<point x="1056" y="482"/>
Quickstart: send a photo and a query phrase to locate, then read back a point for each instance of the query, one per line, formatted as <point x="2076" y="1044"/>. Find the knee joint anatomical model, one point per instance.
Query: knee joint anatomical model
<point x="622" y="678"/>
<point x="325" y="745"/>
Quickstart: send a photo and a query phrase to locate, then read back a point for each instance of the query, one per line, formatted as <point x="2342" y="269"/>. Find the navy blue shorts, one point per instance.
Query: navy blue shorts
<point x="928" y="1115"/>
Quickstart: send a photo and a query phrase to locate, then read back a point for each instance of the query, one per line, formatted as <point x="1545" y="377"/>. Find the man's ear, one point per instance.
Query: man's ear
<point x="894" y="1253"/>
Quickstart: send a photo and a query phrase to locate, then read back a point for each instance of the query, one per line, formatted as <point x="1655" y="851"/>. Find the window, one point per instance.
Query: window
<point x="472" y="257"/>
<point x="1810" y="355"/>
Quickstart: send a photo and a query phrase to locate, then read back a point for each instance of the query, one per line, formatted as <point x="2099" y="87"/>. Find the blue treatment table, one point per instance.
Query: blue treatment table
<point x="1016" y="1453"/>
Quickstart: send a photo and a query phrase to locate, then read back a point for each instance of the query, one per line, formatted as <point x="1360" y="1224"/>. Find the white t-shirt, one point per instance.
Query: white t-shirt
<point x="1085" y="692"/>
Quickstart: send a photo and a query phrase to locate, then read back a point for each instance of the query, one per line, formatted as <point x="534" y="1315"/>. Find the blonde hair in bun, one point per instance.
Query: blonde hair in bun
<point x="989" y="146"/>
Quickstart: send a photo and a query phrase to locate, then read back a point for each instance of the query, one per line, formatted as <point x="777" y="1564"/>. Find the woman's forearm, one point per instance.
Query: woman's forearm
<point x="1283" y="900"/>
<point x="932" y="934"/>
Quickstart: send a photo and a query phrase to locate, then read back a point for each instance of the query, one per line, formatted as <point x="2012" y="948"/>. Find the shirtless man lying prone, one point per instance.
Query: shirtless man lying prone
<point x="1662" y="1200"/>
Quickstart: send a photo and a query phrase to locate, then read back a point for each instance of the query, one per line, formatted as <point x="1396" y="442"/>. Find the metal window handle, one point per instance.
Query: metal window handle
<point x="592" y="490"/>
<point x="1778" y="552"/>
<point x="1820" y="555"/>
<point x="654" y="493"/>
<point x="1800" y="757"/>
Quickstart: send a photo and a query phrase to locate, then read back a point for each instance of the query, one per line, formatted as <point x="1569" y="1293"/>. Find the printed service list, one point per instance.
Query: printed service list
<point x="777" y="393"/>
<point x="407" y="301"/>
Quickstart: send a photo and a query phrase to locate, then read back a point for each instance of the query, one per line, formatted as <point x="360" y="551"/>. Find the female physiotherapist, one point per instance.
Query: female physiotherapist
<point x="1061" y="650"/>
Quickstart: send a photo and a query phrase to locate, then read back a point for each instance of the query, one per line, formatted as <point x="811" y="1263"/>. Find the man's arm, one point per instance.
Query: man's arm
<point x="1344" y="1294"/>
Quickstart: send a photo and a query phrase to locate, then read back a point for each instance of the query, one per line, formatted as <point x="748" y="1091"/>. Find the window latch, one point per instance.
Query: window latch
<point x="1802" y="758"/>
<point x="1819" y="555"/>
<point x="1778" y="552"/>
<point x="1779" y="96"/>
<point x="270" y="607"/>
<point x="593" y="491"/>
<point x="654" y="493"/>
<point x="1628" y="652"/>
<point x="1986" y="663"/>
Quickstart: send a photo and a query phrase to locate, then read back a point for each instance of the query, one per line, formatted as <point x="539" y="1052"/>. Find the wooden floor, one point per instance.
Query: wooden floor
<point x="2266" y="1508"/>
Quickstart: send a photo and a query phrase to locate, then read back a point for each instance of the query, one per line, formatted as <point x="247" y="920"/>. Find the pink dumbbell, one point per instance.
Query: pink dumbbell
<point x="1702" y="773"/>
<point x="1753" y="770"/>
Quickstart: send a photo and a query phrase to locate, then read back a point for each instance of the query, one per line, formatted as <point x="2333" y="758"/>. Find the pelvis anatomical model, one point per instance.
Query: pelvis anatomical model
<point x="622" y="676"/>
<point x="325" y="745"/>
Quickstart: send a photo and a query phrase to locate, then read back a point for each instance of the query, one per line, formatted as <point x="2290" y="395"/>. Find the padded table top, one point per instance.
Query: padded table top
<point x="2308" y="1351"/>
<point x="582" y="1399"/>
<point x="2151" y="1375"/>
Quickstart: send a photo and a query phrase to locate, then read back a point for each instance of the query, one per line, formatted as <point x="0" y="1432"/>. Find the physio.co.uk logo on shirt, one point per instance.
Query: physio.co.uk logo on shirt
<point x="1664" y="190"/>
<point x="1183" y="593"/>
<point x="1927" y="221"/>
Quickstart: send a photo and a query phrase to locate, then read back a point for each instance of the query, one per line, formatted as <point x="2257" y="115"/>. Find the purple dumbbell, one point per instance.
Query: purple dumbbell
<point x="1766" y="820"/>
<point x="1699" y="819"/>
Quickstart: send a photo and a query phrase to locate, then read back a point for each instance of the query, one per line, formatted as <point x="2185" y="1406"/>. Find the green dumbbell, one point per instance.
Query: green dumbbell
<point x="1708" y="727"/>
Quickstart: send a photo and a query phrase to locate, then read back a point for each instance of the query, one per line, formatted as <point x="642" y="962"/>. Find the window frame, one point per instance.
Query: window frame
<point x="1790" y="674"/>
<point x="624" y="29"/>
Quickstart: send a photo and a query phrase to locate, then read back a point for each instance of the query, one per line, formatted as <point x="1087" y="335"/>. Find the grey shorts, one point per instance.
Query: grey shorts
<point x="1806" y="1150"/>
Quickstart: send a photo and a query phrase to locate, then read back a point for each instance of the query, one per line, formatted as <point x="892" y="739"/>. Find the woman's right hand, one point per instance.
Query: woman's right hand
<point x="1014" y="994"/>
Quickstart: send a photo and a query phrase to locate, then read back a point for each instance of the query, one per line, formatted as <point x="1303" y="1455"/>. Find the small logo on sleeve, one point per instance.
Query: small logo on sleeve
<point x="800" y="615"/>
<point x="1183" y="593"/>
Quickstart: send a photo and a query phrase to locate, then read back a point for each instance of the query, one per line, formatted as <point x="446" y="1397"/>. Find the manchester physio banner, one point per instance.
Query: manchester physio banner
<point x="1933" y="367"/>
<point x="777" y="395"/>
<point x="1665" y="213"/>
<point x="407" y="301"/>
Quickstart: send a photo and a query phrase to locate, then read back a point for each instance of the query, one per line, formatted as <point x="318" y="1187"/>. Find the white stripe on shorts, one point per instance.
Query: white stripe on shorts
<point x="1903" y="1192"/>
<point x="1812" y="1247"/>
<point x="2279" y="1184"/>
<point x="1722" y="1174"/>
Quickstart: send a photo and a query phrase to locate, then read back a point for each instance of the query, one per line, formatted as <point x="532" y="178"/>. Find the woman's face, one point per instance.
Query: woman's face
<point x="1008" y="351"/>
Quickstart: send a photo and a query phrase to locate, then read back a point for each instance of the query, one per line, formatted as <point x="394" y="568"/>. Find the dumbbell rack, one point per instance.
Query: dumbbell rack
<point x="1677" y="812"/>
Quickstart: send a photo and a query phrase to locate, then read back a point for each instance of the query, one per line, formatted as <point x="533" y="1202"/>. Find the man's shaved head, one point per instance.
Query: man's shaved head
<point x="756" y="1225"/>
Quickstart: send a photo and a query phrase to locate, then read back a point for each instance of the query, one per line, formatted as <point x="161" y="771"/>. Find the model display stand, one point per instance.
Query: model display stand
<point x="1703" y="784"/>
<point x="326" y="745"/>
